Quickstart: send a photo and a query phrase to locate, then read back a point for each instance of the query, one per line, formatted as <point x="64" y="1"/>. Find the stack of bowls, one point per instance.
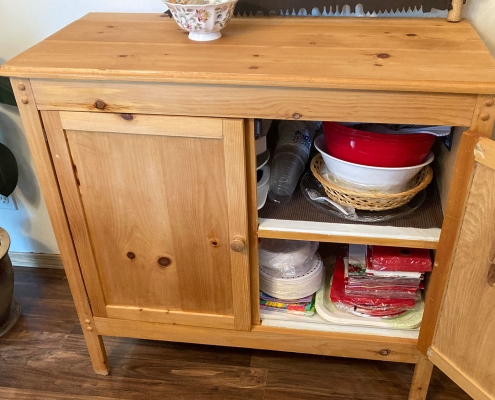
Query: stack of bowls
<point x="289" y="269"/>
<point x="373" y="162"/>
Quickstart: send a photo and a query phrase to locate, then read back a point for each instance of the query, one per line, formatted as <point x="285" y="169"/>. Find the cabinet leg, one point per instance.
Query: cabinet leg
<point x="421" y="379"/>
<point x="97" y="353"/>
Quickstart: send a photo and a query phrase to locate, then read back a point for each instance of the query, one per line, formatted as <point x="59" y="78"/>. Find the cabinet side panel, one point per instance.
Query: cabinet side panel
<point x="46" y="175"/>
<point x="75" y="213"/>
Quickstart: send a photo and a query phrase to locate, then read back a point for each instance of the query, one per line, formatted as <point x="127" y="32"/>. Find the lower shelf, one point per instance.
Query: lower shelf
<point x="316" y="323"/>
<point x="299" y="220"/>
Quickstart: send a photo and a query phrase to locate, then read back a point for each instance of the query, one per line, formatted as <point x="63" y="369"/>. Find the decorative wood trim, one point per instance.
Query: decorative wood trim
<point x="456" y="374"/>
<point x="235" y="176"/>
<point x="170" y="317"/>
<point x="36" y="260"/>
<point x="270" y="338"/>
<point x="51" y="192"/>
<point x="257" y="102"/>
<point x="62" y="161"/>
<point x="484" y="115"/>
<point x="139" y="124"/>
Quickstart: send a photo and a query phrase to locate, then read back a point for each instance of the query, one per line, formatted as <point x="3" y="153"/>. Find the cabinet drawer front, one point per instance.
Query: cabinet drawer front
<point x="152" y="211"/>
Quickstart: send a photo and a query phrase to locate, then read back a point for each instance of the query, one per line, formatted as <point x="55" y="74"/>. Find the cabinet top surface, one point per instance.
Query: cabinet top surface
<point x="430" y="55"/>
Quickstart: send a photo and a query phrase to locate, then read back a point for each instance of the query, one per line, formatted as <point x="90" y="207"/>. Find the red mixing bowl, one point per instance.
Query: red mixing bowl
<point x="376" y="149"/>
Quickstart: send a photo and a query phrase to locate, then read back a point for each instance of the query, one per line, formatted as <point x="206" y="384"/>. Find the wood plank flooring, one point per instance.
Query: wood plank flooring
<point x="44" y="357"/>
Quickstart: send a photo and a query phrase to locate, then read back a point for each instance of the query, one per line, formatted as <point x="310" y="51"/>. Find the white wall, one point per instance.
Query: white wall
<point x="23" y="23"/>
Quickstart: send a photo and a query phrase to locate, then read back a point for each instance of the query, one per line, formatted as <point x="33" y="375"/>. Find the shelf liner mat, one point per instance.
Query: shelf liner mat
<point x="265" y="6"/>
<point x="428" y="215"/>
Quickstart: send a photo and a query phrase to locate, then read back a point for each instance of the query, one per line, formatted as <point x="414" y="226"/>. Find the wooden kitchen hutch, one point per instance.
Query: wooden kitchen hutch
<point x="144" y="146"/>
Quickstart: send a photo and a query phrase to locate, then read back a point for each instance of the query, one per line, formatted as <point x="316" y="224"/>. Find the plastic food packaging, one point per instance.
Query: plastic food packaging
<point x="361" y="304"/>
<point x="292" y="287"/>
<point x="287" y="258"/>
<point x="291" y="155"/>
<point x="385" y="258"/>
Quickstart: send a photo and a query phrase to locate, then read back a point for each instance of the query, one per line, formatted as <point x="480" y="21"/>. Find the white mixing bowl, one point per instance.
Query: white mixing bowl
<point x="365" y="178"/>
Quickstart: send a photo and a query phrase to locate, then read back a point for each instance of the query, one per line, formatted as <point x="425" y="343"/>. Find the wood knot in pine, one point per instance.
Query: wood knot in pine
<point x="127" y="117"/>
<point x="411" y="34"/>
<point x="123" y="55"/>
<point x="100" y="104"/>
<point x="383" y="55"/>
<point x="110" y="26"/>
<point x="256" y="55"/>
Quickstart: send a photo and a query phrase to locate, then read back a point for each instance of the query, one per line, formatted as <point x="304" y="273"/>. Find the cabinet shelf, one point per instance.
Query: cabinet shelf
<point x="299" y="220"/>
<point x="317" y="323"/>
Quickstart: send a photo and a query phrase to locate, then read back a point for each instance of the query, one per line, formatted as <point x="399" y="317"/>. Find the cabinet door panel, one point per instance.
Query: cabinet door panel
<point x="157" y="209"/>
<point x="463" y="345"/>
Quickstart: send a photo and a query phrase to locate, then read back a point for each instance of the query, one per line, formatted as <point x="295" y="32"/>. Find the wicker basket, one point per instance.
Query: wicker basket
<point x="366" y="200"/>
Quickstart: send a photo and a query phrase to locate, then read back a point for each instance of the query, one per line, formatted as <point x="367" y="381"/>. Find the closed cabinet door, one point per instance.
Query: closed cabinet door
<point x="463" y="343"/>
<point x="157" y="210"/>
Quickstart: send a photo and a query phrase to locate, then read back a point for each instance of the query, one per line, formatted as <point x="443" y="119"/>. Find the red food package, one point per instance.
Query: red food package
<point x="384" y="258"/>
<point x="337" y="292"/>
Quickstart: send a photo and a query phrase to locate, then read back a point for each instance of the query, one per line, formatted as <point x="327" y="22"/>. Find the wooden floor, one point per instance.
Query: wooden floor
<point x="44" y="357"/>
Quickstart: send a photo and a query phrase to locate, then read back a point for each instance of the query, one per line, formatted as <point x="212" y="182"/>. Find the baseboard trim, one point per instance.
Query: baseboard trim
<point x="36" y="260"/>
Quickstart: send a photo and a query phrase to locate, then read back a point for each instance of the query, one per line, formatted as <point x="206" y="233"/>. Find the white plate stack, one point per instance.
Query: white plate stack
<point x="289" y="269"/>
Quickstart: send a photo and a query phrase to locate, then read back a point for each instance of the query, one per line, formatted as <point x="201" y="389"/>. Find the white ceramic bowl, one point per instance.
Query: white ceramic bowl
<point x="365" y="178"/>
<point x="203" y="19"/>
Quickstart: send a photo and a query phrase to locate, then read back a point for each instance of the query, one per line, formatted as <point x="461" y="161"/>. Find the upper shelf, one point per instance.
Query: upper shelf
<point x="300" y="220"/>
<point x="429" y="55"/>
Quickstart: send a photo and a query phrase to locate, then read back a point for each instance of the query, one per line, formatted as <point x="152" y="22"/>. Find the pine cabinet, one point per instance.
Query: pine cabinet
<point x="144" y="146"/>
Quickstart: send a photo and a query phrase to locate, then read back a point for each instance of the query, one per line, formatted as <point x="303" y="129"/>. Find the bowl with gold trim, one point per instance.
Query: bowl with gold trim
<point x="203" y="19"/>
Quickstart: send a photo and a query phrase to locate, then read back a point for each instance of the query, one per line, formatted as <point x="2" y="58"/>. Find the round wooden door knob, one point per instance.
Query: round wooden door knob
<point x="238" y="244"/>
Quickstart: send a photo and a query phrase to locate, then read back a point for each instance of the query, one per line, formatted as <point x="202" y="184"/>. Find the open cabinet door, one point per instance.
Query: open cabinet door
<point x="463" y="343"/>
